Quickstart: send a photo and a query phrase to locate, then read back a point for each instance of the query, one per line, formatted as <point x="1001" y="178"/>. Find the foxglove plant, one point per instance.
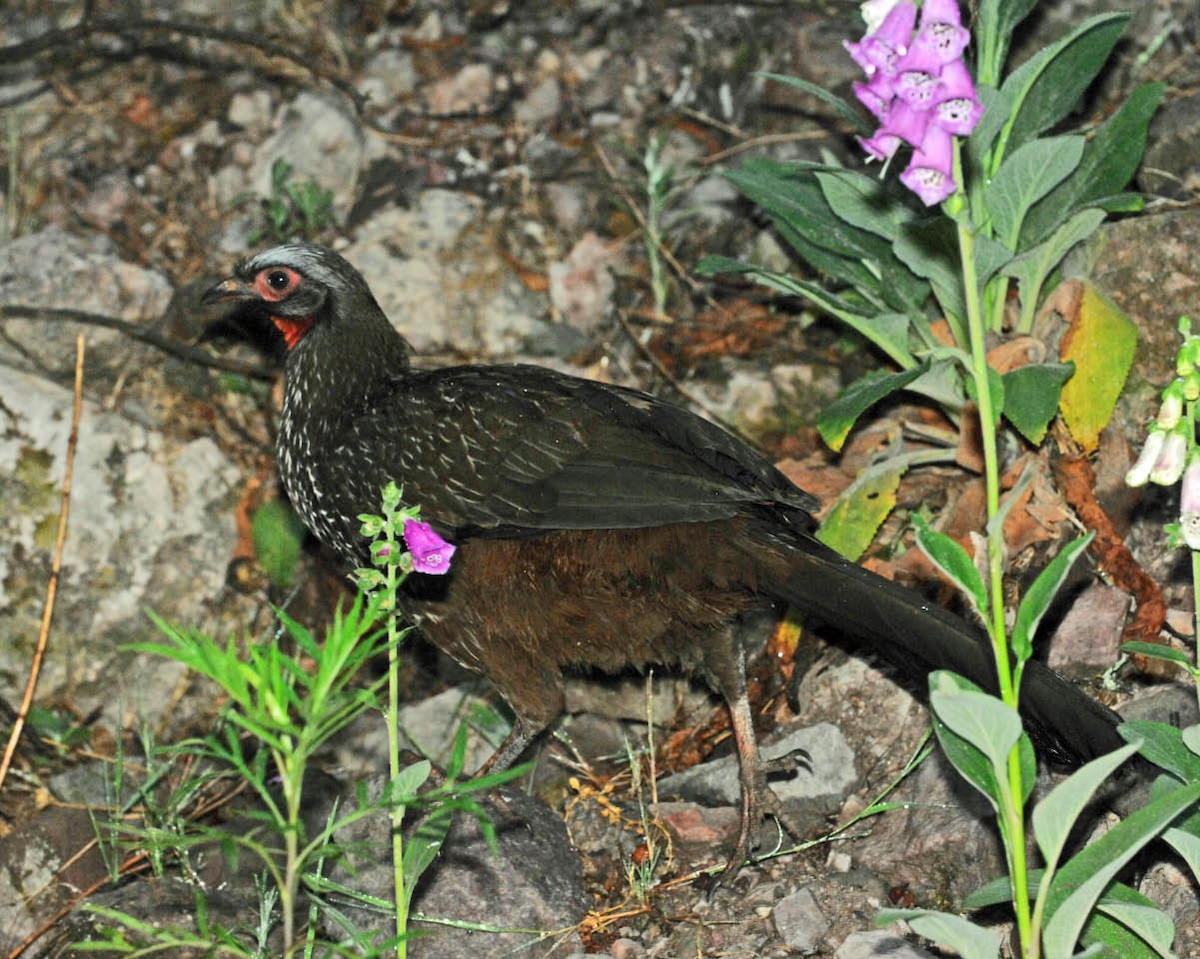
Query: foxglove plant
<point x="1001" y="196"/>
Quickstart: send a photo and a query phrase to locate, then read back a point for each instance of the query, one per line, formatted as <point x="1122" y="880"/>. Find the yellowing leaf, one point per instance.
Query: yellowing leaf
<point x="862" y="507"/>
<point x="1100" y="342"/>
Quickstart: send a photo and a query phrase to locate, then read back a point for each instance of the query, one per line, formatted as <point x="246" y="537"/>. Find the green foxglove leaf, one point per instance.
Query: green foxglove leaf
<point x="1031" y="397"/>
<point x="836" y="419"/>
<point x="1047" y="86"/>
<point x="1054" y="816"/>
<point x="953" y="561"/>
<point x="844" y="109"/>
<point x="1110" y="159"/>
<point x="1032" y="267"/>
<point x="1078" y="885"/>
<point x="1026" y="175"/>
<point x="946" y="929"/>
<point x="1041" y="594"/>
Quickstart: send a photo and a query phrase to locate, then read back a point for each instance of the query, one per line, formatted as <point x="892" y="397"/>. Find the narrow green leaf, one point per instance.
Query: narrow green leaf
<point x="1113" y="940"/>
<point x="844" y="109"/>
<point x="1149" y="923"/>
<point x="1167" y="653"/>
<point x="1026" y="175"/>
<point x="1032" y="267"/>
<point x="996" y="20"/>
<point x="1163" y="745"/>
<point x="1187" y="844"/>
<point x="952" y="560"/>
<point x="930" y="250"/>
<point x="948" y="930"/>
<point x="889" y="332"/>
<point x="1041" y="594"/>
<point x="1055" y="815"/>
<point x="837" y="419"/>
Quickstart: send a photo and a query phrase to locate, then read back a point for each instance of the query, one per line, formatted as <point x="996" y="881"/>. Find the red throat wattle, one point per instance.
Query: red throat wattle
<point x="293" y="328"/>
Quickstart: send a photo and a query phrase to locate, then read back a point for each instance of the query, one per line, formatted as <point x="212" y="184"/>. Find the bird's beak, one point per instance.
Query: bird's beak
<point x="230" y="289"/>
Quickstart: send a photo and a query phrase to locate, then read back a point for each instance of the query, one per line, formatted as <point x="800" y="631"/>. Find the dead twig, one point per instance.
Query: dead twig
<point x="173" y="347"/>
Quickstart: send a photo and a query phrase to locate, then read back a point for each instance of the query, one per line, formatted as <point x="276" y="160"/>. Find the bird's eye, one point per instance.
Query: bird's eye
<point x="276" y="283"/>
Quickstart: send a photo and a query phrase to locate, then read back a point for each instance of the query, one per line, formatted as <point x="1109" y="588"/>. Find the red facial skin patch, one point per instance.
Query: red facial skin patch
<point x="293" y="328"/>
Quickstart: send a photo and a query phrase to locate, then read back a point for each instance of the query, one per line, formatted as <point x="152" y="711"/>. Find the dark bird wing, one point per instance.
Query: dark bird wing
<point x="524" y="448"/>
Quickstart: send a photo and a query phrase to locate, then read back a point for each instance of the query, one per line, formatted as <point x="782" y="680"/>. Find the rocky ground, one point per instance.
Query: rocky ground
<point x="483" y="163"/>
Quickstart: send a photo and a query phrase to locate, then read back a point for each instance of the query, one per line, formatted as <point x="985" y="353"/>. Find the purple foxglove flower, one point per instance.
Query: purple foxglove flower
<point x="1139" y="473"/>
<point x="919" y="89"/>
<point x="906" y="122"/>
<point x="1169" y="466"/>
<point x="430" y="553"/>
<point x="881" y="146"/>
<point x="880" y="49"/>
<point x="941" y="34"/>
<point x="930" y="174"/>
<point x="957" y="109"/>
<point x="876" y="95"/>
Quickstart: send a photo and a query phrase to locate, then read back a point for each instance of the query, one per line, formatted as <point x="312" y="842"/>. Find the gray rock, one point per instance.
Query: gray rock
<point x="435" y="272"/>
<point x="151" y="525"/>
<point x="388" y="76"/>
<point x="717" y="783"/>
<point x="321" y="141"/>
<point x="799" y="920"/>
<point x="532" y="881"/>
<point x="52" y="268"/>
<point x="879" y="944"/>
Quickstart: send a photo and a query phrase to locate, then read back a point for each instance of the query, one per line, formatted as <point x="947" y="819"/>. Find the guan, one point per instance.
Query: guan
<point x="597" y="527"/>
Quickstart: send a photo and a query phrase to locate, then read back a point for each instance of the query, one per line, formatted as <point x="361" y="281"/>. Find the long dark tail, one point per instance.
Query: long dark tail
<point x="919" y="637"/>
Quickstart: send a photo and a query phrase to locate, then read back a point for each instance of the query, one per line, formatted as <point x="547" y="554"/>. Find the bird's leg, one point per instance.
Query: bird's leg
<point x="726" y="662"/>
<point x="510" y="750"/>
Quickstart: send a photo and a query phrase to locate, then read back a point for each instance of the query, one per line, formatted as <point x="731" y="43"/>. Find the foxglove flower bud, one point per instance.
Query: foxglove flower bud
<point x="1171" y="459"/>
<point x="1139" y="473"/>
<point x="1171" y="410"/>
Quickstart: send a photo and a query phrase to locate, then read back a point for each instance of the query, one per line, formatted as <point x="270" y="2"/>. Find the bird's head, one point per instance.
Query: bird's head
<point x="299" y="286"/>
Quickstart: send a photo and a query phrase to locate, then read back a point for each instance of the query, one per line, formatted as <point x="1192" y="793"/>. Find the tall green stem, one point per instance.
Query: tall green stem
<point x="1012" y="814"/>
<point x="393" y="732"/>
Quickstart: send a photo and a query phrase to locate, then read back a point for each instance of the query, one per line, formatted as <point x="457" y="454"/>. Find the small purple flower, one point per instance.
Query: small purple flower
<point x="882" y="48"/>
<point x="957" y="109"/>
<point x="881" y="146"/>
<point x="942" y="33"/>
<point x="920" y="90"/>
<point x="876" y="95"/>
<point x="906" y="122"/>
<point x="930" y="175"/>
<point x="430" y="553"/>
